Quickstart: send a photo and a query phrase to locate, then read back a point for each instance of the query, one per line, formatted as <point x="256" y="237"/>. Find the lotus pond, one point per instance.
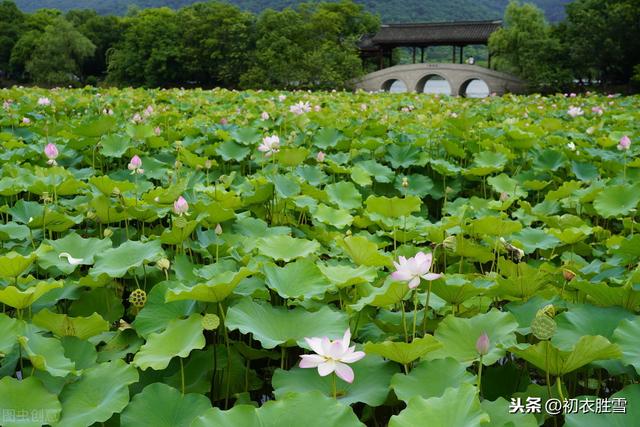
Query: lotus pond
<point x="218" y="258"/>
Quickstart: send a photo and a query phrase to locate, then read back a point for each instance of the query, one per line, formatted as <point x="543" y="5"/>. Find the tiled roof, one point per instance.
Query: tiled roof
<point x="440" y="33"/>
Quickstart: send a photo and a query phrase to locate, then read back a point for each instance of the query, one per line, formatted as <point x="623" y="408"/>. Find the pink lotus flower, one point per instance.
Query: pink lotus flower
<point x="137" y="118"/>
<point x="282" y="97"/>
<point x="300" y="108"/>
<point x="6" y="104"/>
<point x="575" y="111"/>
<point x="270" y="145"/>
<point x="320" y="156"/>
<point x="26" y="120"/>
<point x="51" y="151"/>
<point x="597" y="110"/>
<point x="482" y="344"/>
<point x="363" y="107"/>
<point x="44" y="101"/>
<point x="412" y="269"/>
<point x="180" y="206"/>
<point x="134" y="165"/>
<point x="264" y="115"/>
<point x="332" y="356"/>
<point x="224" y="121"/>
<point x="157" y="131"/>
<point x="317" y="108"/>
<point x="625" y="143"/>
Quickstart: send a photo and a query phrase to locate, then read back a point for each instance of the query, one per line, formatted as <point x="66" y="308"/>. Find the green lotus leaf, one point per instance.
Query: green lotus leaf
<point x="394" y="207"/>
<point x="156" y="313"/>
<point x="63" y="325"/>
<point x="504" y="184"/>
<point x="456" y="289"/>
<point x="27" y="403"/>
<point x="17" y="298"/>
<point x="106" y="185"/>
<point x="346" y="275"/>
<point x="178" y="339"/>
<point x="626" y="336"/>
<point x="344" y="194"/>
<point x="13" y="231"/>
<point x="630" y="395"/>
<point x="617" y="200"/>
<point x="13" y="264"/>
<point x="274" y="326"/>
<point x="45" y="354"/>
<point x="82" y="250"/>
<point x="119" y="344"/>
<point x="326" y="138"/>
<point x="418" y="185"/>
<point x="535" y="238"/>
<point x="403" y="352"/>
<point x="298" y="279"/>
<point x="380" y="173"/>
<point x="246" y="135"/>
<point x="81" y="352"/>
<point x="96" y="127"/>
<point x="286" y="186"/>
<point x="370" y="386"/>
<point x="459" y="336"/>
<point x="115" y="146"/>
<point x="286" y="248"/>
<point x="214" y="290"/>
<point x="311" y="409"/>
<point x="624" y="296"/>
<point x="338" y="218"/>
<point x="360" y="176"/>
<point x="431" y="379"/>
<point x="500" y="415"/>
<point x="493" y="226"/>
<point x="9" y="330"/>
<point x="364" y="252"/>
<point x="458" y="407"/>
<point x="586" y="319"/>
<point x="548" y="358"/>
<point x="391" y="292"/>
<point x="162" y="406"/>
<point x="230" y="150"/>
<point x="101" y="392"/>
<point x="99" y="300"/>
<point x="117" y="261"/>
<point x="176" y="235"/>
<point x="487" y="162"/>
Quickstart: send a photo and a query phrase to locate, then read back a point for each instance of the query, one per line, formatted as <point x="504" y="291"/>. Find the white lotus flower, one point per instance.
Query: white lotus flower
<point x="413" y="269"/>
<point x="332" y="356"/>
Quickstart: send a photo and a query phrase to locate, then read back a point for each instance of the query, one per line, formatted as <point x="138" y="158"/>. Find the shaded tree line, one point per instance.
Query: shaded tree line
<point x="598" y="43"/>
<point x="204" y="44"/>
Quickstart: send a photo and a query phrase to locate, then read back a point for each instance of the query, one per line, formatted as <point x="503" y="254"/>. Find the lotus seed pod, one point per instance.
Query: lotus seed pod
<point x="115" y="191"/>
<point x="543" y="327"/>
<point x="138" y="298"/>
<point x="405" y="182"/>
<point x="210" y="322"/>
<point x="450" y="243"/>
<point x="107" y="233"/>
<point x="91" y="214"/>
<point x="547" y="310"/>
<point x="163" y="264"/>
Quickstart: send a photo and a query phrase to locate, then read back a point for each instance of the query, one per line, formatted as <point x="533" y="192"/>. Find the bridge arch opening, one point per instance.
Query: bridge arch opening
<point x="475" y="88"/>
<point x="434" y="84"/>
<point x="394" y="86"/>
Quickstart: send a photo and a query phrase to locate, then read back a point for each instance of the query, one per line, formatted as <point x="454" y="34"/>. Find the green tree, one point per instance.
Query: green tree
<point x="528" y="47"/>
<point x="150" y="51"/>
<point x="11" y="27"/>
<point x="311" y="47"/>
<point x="602" y="38"/>
<point x="217" y="42"/>
<point x="103" y="31"/>
<point x="58" y="56"/>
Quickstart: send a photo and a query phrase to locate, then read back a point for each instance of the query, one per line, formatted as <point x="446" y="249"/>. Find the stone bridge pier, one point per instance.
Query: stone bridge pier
<point x="415" y="78"/>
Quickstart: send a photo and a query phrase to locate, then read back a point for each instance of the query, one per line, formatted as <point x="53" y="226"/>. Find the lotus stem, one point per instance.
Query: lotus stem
<point x="426" y="310"/>
<point x="559" y="385"/>
<point x="480" y="377"/>
<point x="182" y="375"/>
<point x="415" y="313"/>
<point x="334" y="388"/>
<point x="404" y="322"/>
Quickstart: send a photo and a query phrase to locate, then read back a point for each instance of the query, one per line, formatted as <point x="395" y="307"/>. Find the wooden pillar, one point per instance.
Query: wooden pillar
<point x="461" y="51"/>
<point x="414" y="54"/>
<point x="380" y="59"/>
<point x="422" y="55"/>
<point x="453" y="60"/>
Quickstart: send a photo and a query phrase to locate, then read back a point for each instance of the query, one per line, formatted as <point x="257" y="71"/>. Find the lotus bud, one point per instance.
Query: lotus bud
<point x="51" y="151"/>
<point x="264" y="115"/>
<point x="91" y="214"/>
<point x="482" y="344"/>
<point x="178" y="164"/>
<point x="349" y="233"/>
<point x="504" y="196"/>
<point x="320" y="156"/>
<point x="405" y="182"/>
<point x="625" y="143"/>
<point x="208" y="164"/>
<point x="107" y="233"/>
<point x="163" y="264"/>
<point x="218" y="229"/>
<point x="180" y="206"/>
<point x="450" y="243"/>
<point x="568" y="274"/>
<point x="134" y="163"/>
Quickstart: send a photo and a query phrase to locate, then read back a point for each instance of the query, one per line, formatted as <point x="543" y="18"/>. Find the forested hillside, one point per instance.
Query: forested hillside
<point x="389" y="10"/>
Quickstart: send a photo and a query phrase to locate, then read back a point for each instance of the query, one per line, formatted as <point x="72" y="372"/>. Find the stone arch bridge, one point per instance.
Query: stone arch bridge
<point x="458" y="76"/>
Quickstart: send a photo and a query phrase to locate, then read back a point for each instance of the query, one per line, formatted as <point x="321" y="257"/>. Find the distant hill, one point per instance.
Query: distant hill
<point x="389" y="10"/>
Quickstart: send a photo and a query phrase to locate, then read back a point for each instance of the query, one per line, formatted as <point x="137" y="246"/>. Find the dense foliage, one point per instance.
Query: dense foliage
<point x="389" y="10"/>
<point x="597" y="43"/>
<point x="165" y="253"/>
